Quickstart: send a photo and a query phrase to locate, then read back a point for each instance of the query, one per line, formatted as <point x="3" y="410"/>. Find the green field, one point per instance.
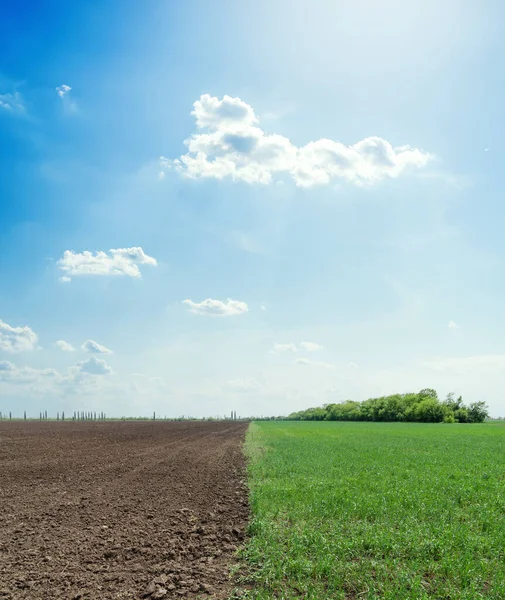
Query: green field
<point x="376" y="510"/>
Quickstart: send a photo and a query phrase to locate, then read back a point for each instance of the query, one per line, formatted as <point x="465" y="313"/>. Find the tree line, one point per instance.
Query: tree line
<point x="421" y="407"/>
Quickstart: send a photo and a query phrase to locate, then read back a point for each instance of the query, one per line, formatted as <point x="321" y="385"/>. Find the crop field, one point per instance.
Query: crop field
<point x="341" y="510"/>
<point x="374" y="510"/>
<point x="116" y="510"/>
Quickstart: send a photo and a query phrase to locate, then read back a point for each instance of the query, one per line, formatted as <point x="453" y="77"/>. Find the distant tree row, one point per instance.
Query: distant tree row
<point x="423" y="407"/>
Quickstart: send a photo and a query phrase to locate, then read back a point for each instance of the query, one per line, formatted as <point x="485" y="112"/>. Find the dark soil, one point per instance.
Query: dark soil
<point x="105" y="510"/>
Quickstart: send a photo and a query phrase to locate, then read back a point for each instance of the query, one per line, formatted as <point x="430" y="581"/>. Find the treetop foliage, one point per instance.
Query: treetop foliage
<point x="422" y="407"/>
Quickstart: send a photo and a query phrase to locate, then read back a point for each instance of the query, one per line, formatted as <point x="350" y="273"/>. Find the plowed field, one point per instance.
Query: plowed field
<point x="109" y="510"/>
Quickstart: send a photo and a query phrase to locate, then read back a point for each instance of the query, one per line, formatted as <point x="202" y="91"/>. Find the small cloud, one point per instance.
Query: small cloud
<point x="161" y="175"/>
<point x="64" y="346"/>
<point x="280" y="348"/>
<point x="311" y="346"/>
<point x="217" y="308"/>
<point x="119" y="261"/>
<point x="68" y="103"/>
<point x="95" y="348"/>
<point x="17" y="339"/>
<point x="486" y="149"/>
<point x="453" y="325"/>
<point x="61" y="90"/>
<point x="94" y="366"/>
<point x="65" y="279"/>
<point x="263" y="307"/>
<point x="314" y="363"/>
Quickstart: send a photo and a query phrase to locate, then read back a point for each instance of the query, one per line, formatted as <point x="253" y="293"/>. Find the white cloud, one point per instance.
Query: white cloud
<point x="217" y="308"/>
<point x="94" y="366"/>
<point x="120" y="261"/>
<point x="263" y="307"/>
<point x="453" y="325"/>
<point x="280" y="348"/>
<point x="64" y="346"/>
<point x="314" y="363"/>
<point x="233" y="146"/>
<point x="311" y="346"/>
<point x="16" y="339"/>
<point x="212" y="113"/>
<point x="12" y="102"/>
<point x="61" y="90"/>
<point x="65" y="279"/>
<point x="95" y="348"/>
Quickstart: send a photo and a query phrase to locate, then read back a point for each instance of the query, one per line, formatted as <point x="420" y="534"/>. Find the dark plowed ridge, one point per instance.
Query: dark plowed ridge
<point x="120" y="509"/>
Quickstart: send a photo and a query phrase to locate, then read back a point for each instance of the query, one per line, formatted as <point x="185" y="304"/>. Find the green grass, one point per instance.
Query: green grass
<point x="374" y="510"/>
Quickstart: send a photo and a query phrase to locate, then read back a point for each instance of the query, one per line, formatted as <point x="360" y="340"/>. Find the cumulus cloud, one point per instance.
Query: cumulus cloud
<point x="453" y="325"/>
<point x="12" y="102"/>
<point x="120" y="261"/>
<point x="310" y="346"/>
<point x="94" y="366"/>
<point x="314" y="363"/>
<point x="230" y="144"/>
<point x="61" y="90"/>
<point x="95" y="348"/>
<point x="16" y="339"/>
<point x="280" y="348"/>
<point x="64" y="346"/>
<point x="217" y="308"/>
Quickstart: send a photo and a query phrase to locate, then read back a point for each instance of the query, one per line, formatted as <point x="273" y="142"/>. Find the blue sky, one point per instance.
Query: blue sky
<point x="251" y="206"/>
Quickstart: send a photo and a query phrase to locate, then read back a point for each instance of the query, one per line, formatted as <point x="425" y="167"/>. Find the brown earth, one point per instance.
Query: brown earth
<point x="109" y="510"/>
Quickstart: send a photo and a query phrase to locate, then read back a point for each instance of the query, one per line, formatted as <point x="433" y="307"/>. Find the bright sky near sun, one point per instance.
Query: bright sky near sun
<point x="256" y="206"/>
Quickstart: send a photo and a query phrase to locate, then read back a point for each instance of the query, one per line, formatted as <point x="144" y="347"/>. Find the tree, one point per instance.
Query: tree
<point x="477" y="412"/>
<point x="428" y="393"/>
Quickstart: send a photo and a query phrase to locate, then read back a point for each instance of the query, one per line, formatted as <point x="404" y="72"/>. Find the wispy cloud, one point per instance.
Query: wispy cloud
<point x="291" y="347"/>
<point x="233" y="146"/>
<point x="217" y="308"/>
<point x="314" y="363"/>
<point x="12" y="102"/>
<point x="310" y="346"/>
<point x="69" y="104"/>
<point x="280" y="348"/>
<point x="453" y="325"/>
